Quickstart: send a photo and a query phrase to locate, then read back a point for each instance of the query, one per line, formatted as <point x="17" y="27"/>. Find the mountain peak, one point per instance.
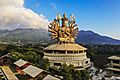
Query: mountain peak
<point x="90" y="37"/>
<point x="88" y="32"/>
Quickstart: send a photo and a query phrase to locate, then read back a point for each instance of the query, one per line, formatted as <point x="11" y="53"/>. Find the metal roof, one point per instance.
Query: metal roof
<point x="69" y="47"/>
<point x="32" y="71"/>
<point x="49" y="77"/>
<point x="20" y="63"/>
<point x="6" y="55"/>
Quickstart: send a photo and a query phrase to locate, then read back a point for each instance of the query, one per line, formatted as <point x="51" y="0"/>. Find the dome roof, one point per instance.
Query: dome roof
<point x="68" y="47"/>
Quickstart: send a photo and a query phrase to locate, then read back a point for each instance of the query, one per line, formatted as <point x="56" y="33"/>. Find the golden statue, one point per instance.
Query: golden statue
<point x="64" y="20"/>
<point x="65" y="33"/>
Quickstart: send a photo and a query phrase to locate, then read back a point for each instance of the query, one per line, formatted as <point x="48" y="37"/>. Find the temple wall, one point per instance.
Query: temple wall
<point x="77" y="59"/>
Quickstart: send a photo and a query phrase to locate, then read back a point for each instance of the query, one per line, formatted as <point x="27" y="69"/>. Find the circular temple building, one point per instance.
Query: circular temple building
<point x="66" y="51"/>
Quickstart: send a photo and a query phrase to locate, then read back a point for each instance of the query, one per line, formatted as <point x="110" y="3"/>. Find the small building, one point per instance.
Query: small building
<point x="114" y="65"/>
<point x="5" y="60"/>
<point x="20" y="65"/>
<point x="34" y="73"/>
<point x="49" y="77"/>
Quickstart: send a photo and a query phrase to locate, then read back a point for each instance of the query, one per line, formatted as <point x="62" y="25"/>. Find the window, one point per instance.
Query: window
<point x="116" y="72"/>
<point x="86" y="62"/>
<point x="79" y="67"/>
<point x="117" y="67"/>
<point x="116" y="61"/>
<point x="69" y="52"/>
<point x="80" y="51"/>
<point x="57" y="64"/>
<point x="63" y="52"/>
<point x="48" y="51"/>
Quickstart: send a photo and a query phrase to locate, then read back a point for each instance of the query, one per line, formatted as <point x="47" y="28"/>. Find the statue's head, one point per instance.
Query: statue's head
<point x="64" y="15"/>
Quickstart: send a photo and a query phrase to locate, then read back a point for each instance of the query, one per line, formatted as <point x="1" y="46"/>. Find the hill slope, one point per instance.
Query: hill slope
<point x="24" y="34"/>
<point x="89" y="37"/>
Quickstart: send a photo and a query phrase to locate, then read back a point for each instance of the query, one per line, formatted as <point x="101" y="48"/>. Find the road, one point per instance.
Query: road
<point x="2" y="75"/>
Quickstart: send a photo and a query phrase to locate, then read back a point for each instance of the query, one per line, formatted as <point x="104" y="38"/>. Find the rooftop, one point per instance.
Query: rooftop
<point x="20" y="63"/>
<point x="114" y="57"/>
<point x="6" y="55"/>
<point x="32" y="71"/>
<point x="49" y="77"/>
<point x="68" y="47"/>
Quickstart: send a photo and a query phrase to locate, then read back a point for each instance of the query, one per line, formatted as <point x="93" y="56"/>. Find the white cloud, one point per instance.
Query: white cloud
<point x="14" y="15"/>
<point x="16" y="3"/>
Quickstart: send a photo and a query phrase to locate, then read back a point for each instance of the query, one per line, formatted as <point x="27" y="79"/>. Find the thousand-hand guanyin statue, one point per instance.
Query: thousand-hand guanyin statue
<point x="63" y="29"/>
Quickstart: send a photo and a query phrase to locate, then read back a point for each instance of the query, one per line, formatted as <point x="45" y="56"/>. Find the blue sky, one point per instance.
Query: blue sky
<point x="101" y="16"/>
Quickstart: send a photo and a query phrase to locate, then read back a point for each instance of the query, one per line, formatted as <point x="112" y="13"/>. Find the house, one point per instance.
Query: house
<point x="34" y="73"/>
<point x="114" y="65"/>
<point x="20" y="65"/>
<point x="4" y="60"/>
<point x="49" y="77"/>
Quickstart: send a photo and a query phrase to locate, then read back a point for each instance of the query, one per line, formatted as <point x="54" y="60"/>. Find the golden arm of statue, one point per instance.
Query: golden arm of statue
<point x="52" y="31"/>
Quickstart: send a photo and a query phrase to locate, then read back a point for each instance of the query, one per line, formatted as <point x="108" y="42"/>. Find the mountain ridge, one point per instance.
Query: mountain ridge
<point x="24" y="34"/>
<point x="90" y="37"/>
<point x="84" y="37"/>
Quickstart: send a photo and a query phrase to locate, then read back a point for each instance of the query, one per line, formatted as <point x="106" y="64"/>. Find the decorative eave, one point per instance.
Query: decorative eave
<point x="114" y="57"/>
<point x="67" y="47"/>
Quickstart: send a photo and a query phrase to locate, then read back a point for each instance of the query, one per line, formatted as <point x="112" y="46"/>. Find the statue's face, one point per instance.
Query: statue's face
<point x="64" y="15"/>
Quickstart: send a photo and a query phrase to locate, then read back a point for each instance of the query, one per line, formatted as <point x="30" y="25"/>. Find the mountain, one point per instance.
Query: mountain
<point x="84" y="37"/>
<point x="24" y="34"/>
<point x="90" y="37"/>
<point x="3" y="33"/>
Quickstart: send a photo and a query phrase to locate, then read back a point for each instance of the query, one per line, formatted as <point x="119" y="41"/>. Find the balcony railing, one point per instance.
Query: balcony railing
<point x="65" y="55"/>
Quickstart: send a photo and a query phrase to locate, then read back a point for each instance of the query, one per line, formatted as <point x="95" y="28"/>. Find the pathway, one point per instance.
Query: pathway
<point x="8" y="73"/>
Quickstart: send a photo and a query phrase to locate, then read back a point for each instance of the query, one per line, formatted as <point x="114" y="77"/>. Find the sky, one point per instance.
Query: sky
<point x="100" y="16"/>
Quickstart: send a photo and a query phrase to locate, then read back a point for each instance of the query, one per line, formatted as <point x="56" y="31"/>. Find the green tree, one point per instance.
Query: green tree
<point x="67" y="71"/>
<point x="85" y="75"/>
<point x="32" y="57"/>
<point x="77" y="75"/>
<point x="16" y="56"/>
<point x="44" y="64"/>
